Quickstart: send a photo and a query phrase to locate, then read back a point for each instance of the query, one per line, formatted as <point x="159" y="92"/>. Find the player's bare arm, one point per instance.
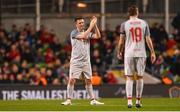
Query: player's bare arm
<point x="150" y="45"/>
<point x="120" y="47"/>
<point x="97" y="34"/>
<point x="84" y="35"/>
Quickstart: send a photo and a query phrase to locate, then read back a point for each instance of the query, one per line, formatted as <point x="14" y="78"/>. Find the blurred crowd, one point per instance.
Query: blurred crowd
<point x="35" y="58"/>
<point x="167" y="46"/>
<point x="40" y="58"/>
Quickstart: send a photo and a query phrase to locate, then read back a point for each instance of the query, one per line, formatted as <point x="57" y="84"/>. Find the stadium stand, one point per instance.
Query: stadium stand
<point x="39" y="58"/>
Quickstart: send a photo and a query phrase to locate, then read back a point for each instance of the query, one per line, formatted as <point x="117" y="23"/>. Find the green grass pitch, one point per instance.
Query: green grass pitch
<point x="111" y="104"/>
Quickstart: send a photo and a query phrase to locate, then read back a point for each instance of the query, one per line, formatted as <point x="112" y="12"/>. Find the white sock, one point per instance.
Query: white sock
<point x="89" y="90"/>
<point x="139" y="89"/>
<point x="70" y="90"/>
<point x="129" y="90"/>
<point x="138" y="101"/>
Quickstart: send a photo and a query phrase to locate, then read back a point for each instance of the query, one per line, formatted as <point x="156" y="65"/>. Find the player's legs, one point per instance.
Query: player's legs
<point x="129" y="71"/>
<point x="129" y="90"/>
<point x="89" y="88"/>
<point x="140" y="67"/>
<point x="87" y="72"/>
<point x="74" y="73"/>
<point x="139" y="90"/>
<point x="70" y="89"/>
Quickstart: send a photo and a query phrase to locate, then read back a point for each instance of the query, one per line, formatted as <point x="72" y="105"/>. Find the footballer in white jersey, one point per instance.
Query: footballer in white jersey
<point x="134" y="33"/>
<point x="80" y="58"/>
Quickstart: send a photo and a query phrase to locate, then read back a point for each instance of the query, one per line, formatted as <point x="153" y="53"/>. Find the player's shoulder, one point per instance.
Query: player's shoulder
<point x="142" y="21"/>
<point x="74" y="31"/>
<point x="123" y="23"/>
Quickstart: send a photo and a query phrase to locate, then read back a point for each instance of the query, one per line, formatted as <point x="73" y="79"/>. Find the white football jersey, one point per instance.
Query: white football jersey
<point x="135" y="31"/>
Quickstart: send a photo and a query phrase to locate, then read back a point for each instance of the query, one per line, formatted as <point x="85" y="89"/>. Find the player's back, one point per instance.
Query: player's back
<point x="135" y="32"/>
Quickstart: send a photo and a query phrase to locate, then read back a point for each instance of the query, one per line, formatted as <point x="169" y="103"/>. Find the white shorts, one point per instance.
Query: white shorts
<point x="134" y="65"/>
<point x="78" y="70"/>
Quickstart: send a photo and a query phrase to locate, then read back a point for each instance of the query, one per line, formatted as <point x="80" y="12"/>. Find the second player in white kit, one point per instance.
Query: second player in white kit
<point x="134" y="33"/>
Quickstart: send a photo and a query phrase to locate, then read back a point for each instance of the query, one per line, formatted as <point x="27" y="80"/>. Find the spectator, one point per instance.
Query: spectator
<point x="96" y="79"/>
<point x="110" y="78"/>
<point x="96" y="58"/>
<point x="176" y="21"/>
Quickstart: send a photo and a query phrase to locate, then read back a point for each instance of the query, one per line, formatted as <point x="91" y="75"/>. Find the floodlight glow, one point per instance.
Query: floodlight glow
<point x="81" y="5"/>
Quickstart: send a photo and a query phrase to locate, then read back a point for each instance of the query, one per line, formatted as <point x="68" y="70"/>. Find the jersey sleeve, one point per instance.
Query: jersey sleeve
<point x="73" y="34"/>
<point x="122" y="30"/>
<point x="147" y="31"/>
